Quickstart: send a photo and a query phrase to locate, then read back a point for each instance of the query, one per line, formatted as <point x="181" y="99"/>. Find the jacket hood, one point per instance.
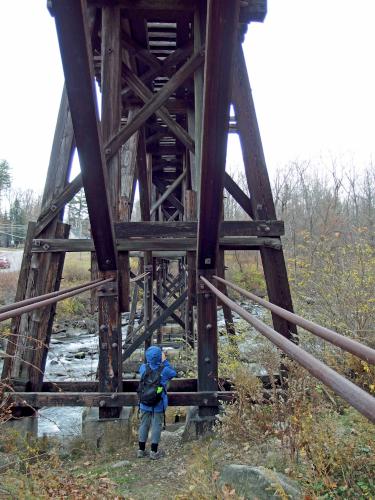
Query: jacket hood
<point x="153" y="356"/>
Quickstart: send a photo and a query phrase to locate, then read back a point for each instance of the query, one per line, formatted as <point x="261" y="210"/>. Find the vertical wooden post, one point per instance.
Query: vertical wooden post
<point x="144" y="175"/>
<point x="221" y="33"/>
<point x="32" y="347"/>
<point x="191" y="215"/>
<point x="110" y="338"/>
<point x="159" y="293"/>
<point x="200" y="16"/>
<point x="110" y="343"/>
<point x="20" y="295"/>
<point x="228" y="317"/>
<point x="39" y="272"/>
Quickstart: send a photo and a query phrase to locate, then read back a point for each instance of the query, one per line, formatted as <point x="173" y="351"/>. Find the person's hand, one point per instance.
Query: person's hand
<point x="163" y="356"/>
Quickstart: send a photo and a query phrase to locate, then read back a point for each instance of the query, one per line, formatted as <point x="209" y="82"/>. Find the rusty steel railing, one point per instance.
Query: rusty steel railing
<point x="354" y="395"/>
<point x="47" y="299"/>
<point x="356" y="348"/>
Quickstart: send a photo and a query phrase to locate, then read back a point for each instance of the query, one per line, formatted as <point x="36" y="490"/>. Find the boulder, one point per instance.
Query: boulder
<point x="258" y="482"/>
<point x="80" y="355"/>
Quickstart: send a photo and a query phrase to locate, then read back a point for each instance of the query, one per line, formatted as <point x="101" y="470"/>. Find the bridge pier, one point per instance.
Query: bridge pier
<point x="162" y="133"/>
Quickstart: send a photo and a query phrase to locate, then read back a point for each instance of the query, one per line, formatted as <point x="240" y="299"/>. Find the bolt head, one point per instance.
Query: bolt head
<point x="102" y="403"/>
<point x="208" y="326"/>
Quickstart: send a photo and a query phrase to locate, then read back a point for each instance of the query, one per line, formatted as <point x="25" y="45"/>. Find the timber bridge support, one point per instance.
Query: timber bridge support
<point x="168" y="72"/>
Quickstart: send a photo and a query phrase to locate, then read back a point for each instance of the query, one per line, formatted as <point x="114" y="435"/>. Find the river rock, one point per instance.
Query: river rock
<point x="80" y="355"/>
<point x="258" y="482"/>
<point x="118" y="465"/>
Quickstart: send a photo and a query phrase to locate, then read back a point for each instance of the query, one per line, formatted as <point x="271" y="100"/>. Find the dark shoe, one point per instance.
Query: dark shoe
<point x="142" y="453"/>
<point x="155" y="455"/>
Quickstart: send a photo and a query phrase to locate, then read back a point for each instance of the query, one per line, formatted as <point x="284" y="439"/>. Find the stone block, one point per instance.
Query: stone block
<point x="107" y="434"/>
<point x="197" y="426"/>
<point x="258" y="482"/>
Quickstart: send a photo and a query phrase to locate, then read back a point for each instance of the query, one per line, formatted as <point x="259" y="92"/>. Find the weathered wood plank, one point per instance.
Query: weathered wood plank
<point x="20" y="295"/>
<point x="110" y="342"/>
<point x="221" y="34"/>
<point x="160" y="303"/>
<point x="57" y="204"/>
<point x="241" y="198"/>
<point x="76" y="54"/>
<point x="156" y="244"/>
<point x="251" y="11"/>
<point x="222" y="21"/>
<point x="188" y="229"/>
<point x="171" y="197"/>
<point x="116" y="399"/>
<point x="140" y="89"/>
<point x="260" y="191"/>
<point x="154" y="326"/>
<point x="154" y="103"/>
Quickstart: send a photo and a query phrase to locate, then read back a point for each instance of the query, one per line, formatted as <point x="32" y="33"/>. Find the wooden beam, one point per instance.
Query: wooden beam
<point x="165" y="67"/>
<point x="156" y="244"/>
<point x="171" y="197"/>
<point x="168" y="191"/>
<point x="76" y="54"/>
<point x="260" y="191"/>
<point x="57" y="204"/>
<point x="241" y="198"/>
<point x="251" y="10"/>
<point x="222" y="21"/>
<point x="140" y="89"/>
<point x="188" y="229"/>
<point x="154" y="326"/>
<point x="160" y="303"/>
<point x="128" y="385"/>
<point x="154" y="103"/>
<point x="116" y="399"/>
<point x="221" y="33"/>
<point x="110" y="338"/>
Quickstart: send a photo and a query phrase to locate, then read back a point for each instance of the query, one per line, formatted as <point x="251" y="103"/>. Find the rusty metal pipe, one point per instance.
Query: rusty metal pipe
<point x="46" y="302"/>
<point x="361" y="351"/>
<point x="355" y="396"/>
<point x="33" y="300"/>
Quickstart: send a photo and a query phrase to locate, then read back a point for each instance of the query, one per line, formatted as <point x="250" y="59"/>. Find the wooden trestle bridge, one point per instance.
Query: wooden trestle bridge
<point x="168" y="72"/>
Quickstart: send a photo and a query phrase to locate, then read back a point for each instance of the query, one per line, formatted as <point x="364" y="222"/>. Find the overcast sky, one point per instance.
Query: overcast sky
<point x="311" y="67"/>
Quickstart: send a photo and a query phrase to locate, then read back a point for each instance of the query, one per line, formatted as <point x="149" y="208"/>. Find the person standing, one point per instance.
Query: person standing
<point x="153" y="399"/>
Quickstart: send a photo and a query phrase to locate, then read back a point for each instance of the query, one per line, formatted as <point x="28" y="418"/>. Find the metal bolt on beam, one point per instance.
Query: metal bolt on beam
<point x="102" y="403"/>
<point x="208" y="326"/>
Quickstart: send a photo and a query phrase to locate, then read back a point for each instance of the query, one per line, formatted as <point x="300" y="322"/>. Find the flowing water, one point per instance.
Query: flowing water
<point x="73" y="356"/>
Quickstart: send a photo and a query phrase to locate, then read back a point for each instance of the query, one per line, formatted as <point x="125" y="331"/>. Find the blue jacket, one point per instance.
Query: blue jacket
<point x="153" y="358"/>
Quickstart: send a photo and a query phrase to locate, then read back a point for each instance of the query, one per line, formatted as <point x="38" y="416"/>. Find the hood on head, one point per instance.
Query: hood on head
<point x="153" y="355"/>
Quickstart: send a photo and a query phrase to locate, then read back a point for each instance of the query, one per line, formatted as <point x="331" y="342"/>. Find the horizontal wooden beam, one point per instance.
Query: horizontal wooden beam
<point x="189" y="229"/>
<point x="128" y="385"/>
<point x="116" y="399"/>
<point x="156" y="244"/>
<point x="251" y="10"/>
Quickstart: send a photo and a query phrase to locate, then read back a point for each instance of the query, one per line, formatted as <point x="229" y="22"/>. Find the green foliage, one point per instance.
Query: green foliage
<point x="5" y="179"/>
